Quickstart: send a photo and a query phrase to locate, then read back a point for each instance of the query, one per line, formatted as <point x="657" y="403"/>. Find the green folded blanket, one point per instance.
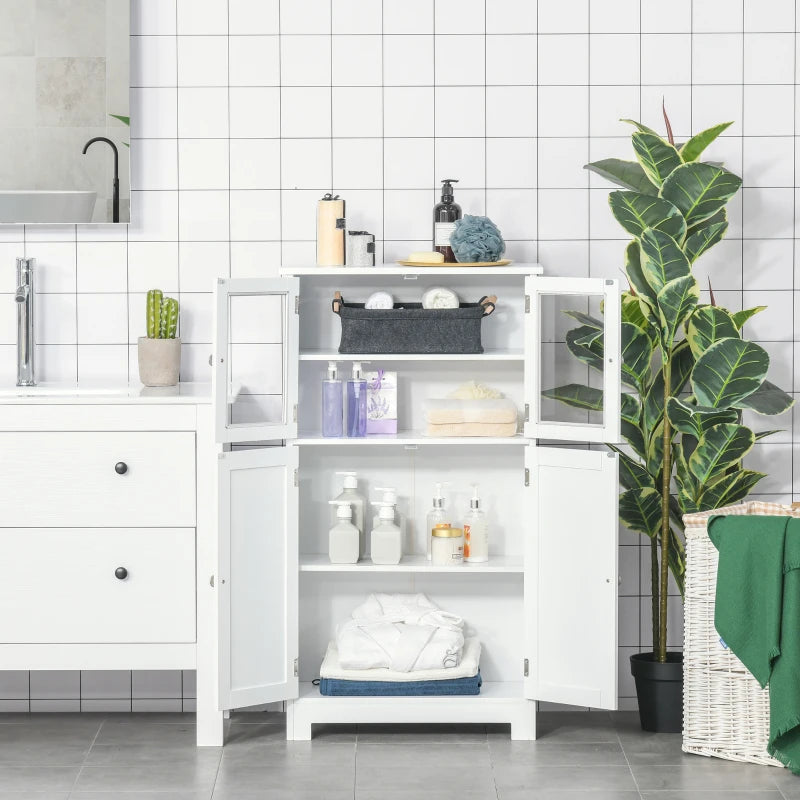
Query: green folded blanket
<point x="757" y="614"/>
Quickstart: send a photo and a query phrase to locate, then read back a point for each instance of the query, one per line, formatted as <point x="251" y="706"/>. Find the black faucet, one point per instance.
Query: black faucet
<point x="115" y="210"/>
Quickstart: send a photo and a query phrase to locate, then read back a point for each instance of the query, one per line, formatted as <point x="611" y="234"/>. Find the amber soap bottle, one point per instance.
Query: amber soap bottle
<point x="445" y="215"/>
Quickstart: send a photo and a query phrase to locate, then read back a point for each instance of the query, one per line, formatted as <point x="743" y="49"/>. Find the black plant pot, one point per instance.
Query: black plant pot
<point x="659" y="688"/>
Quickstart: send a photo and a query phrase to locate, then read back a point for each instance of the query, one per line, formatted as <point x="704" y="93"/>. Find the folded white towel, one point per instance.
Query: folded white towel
<point x="440" y="297"/>
<point x="468" y="668"/>
<point x="379" y="300"/>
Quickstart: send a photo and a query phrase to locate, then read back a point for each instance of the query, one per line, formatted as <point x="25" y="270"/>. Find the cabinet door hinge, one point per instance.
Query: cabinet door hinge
<point x="294" y="413"/>
<point x="297" y="304"/>
<point x="527" y="304"/>
<point x="526" y="668"/>
<point x="296" y="667"/>
<point x="296" y="479"/>
<point x="527" y="476"/>
<point x="527" y="412"/>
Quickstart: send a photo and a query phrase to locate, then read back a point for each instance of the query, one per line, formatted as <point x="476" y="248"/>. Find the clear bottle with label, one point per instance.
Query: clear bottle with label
<point x="332" y="403"/>
<point x="386" y="545"/>
<point x="358" y="503"/>
<point x="436" y="516"/>
<point x="445" y="215"/>
<point x="476" y="531"/>
<point x="343" y="537"/>
<point x="357" y="403"/>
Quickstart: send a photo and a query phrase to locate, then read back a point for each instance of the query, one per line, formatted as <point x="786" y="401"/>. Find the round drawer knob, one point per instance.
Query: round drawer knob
<point x="120" y="573"/>
<point x="120" y="467"/>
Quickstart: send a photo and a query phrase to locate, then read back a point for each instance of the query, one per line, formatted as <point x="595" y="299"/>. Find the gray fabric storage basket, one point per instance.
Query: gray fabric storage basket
<point x="410" y="328"/>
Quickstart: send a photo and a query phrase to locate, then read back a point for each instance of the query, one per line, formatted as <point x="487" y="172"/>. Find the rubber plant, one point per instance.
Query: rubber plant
<point x="688" y="372"/>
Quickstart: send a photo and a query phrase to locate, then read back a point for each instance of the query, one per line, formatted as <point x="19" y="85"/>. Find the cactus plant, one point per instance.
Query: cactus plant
<point x="162" y="315"/>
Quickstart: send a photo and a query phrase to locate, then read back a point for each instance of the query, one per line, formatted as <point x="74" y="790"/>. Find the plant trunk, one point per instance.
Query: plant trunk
<point x="666" y="531"/>
<point x="654" y="581"/>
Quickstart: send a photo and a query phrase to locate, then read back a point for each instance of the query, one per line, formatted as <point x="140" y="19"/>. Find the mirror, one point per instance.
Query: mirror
<point x="64" y="111"/>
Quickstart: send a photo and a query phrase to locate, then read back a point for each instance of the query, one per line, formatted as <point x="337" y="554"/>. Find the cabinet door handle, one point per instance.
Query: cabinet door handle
<point x="120" y="573"/>
<point x="120" y="467"/>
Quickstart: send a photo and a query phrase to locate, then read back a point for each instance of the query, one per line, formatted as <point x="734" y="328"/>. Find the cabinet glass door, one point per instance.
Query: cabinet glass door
<point x="571" y="577"/>
<point x="572" y="367"/>
<point x="255" y="359"/>
<point x="257" y="581"/>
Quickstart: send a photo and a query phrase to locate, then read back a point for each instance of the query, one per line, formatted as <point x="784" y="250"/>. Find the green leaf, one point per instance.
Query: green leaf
<point x="720" y="216"/>
<point x="729" y="489"/>
<point x="640" y="510"/>
<point x="676" y="558"/>
<point x="658" y="157"/>
<point x="124" y="120"/>
<point x="637" y="353"/>
<point x="695" y="146"/>
<point x="763" y="434"/>
<point x="696" y="420"/>
<point x="631" y="310"/>
<point x="740" y="317"/>
<point x="676" y="301"/>
<point x="632" y="474"/>
<point x="627" y="174"/>
<point x="704" y="239"/>
<point x="655" y="451"/>
<point x="585" y="319"/>
<point x="577" y="395"/>
<point x="639" y="125"/>
<point x="662" y="259"/>
<point x="637" y="212"/>
<point x="633" y="269"/>
<point x="728" y="371"/>
<point x="719" y="449"/>
<point x="709" y="324"/>
<point x="631" y="408"/>
<point x="681" y="368"/>
<point x="699" y="190"/>
<point x="768" y="399"/>
<point x="634" y="437"/>
<point x="591" y="352"/>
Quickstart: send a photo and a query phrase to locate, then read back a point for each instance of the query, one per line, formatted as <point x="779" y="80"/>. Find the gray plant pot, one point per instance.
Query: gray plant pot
<point x="159" y="361"/>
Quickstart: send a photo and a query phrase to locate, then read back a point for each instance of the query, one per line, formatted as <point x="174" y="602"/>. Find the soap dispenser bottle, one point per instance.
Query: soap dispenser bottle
<point x="390" y="498"/>
<point x="476" y="531"/>
<point x="358" y="503"/>
<point x="386" y="545"/>
<point x="436" y="516"/>
<point x="357" y="403"/>
<point x="445" y="215"/>
<point x="343" y="537"/>
<point x="332" y="403"/>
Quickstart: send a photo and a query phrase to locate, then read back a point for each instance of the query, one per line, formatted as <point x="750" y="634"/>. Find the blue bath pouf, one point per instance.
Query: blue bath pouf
<point x="477" y="239"/>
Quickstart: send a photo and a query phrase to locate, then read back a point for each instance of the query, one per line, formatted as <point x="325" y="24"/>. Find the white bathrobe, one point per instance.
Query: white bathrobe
<point x="403" y="632"/>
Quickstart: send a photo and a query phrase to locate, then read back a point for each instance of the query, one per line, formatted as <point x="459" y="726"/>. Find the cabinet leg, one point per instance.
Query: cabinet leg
<point x="523" y="728"/>
<point x="210" y="727"/>
<point x="298" y="727"/>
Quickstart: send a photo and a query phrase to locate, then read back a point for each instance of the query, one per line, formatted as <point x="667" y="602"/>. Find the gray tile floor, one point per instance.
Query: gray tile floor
<point x="153" y="757"/>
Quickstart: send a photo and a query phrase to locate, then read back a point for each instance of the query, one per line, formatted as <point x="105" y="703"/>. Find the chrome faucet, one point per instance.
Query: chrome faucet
<point x="26" y="375"/>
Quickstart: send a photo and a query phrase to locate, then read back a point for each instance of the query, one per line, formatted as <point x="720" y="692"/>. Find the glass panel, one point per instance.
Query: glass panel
<point x="561" y="334"/>
<point x="257" y="359"/>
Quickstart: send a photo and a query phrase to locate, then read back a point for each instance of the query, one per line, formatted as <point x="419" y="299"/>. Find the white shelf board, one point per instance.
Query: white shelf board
<point x="498" y="690"/>
<point x="405" y="439"/>
<point x="515" y="354"/>
<point x="319" y="562"/>
<point x="520" y="269"/>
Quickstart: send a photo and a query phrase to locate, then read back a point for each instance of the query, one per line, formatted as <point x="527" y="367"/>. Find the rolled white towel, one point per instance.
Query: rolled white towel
<point x="440" y="297"/>
<point x="379" y="300"/>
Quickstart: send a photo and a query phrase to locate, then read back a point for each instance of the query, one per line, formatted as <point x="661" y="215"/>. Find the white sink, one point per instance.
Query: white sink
<point x="46" y="207"/>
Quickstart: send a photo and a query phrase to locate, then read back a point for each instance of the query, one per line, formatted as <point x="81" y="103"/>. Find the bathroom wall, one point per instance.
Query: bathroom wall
<point x="246" y="111"/>
<point x="64" y="68"/>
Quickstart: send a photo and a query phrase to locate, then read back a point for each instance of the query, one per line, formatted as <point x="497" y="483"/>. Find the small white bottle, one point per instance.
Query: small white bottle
<point x="476" y="531"/>
<point x="386" y="546"/>
<point x="343" y="537"/>
<point x="390" y="496"/>
<point x="436" y="516"/>
<point x="358" y="503"/>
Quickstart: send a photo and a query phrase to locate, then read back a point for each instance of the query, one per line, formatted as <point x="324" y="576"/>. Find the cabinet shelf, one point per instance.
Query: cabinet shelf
<point x="318" y="562"/>
<point x="394" y="269"/>
<point x="512" y="354"/>
<point x="406" y="439"/>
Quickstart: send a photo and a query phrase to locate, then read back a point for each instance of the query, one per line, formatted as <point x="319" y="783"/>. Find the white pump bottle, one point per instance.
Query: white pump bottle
<point x="359" y="505"/>
<point x="343" y="537"/>
<point x="386" y="546"/>
<point x="390" y="497"/>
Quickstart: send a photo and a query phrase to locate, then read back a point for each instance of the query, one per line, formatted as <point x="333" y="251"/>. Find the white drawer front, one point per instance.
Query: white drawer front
<point x="60" y="585"/>
<point x="70" y="479"/>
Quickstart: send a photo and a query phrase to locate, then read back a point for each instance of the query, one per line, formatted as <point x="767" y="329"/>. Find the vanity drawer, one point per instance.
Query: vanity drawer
<point x="61" y="585"/>
<point x="87" y="479"/>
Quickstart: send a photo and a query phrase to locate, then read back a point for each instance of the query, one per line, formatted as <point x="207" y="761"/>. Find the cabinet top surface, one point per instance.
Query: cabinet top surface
<point x="106" y="393"/>
<point x="520" y="269"/>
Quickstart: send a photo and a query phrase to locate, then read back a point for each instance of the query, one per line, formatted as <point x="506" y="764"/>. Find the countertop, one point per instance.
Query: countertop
<point x="105" y="394"/>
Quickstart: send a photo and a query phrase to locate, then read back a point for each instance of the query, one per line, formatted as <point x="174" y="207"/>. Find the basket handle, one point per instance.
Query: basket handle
<point x="488" y="304"/>
<point x="336" y="303"/>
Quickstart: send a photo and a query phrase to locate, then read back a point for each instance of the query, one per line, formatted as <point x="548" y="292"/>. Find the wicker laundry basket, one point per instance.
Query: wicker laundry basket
<point x="725" y="711"/>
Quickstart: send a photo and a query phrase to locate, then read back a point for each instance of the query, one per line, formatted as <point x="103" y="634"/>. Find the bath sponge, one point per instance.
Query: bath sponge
<point x="477" y="239"/>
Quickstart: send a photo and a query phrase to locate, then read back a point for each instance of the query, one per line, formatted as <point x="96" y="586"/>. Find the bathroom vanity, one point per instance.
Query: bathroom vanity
<point x="187" y="528"/>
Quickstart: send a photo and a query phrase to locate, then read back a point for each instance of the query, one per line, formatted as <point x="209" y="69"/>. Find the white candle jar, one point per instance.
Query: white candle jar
<point x="447" y="547"/>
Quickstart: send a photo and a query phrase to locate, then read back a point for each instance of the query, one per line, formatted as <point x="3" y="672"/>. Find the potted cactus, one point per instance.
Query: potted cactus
<point x="160" y="350"/>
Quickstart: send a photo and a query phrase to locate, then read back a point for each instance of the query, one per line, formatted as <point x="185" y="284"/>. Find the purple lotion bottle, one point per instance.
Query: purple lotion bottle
<point x="332" y="403"/>
<point x="356" y="403"/>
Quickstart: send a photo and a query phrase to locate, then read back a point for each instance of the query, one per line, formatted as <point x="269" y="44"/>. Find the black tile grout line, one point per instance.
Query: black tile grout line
<point x="642" y="544"/>
<point x="280" y="126"/>
<point x="794" y="242"/>
<point x="230" y="247"/>
<point x="566" y="85"/>
<point x="464" y="35"/>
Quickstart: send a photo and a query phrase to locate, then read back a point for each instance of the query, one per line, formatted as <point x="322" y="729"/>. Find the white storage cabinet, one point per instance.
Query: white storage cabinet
<point x="544" y="606"/>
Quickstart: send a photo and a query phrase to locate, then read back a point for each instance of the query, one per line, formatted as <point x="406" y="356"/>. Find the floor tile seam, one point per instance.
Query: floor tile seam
<point x="630" y="768"/>
<point x="86" y="757"/>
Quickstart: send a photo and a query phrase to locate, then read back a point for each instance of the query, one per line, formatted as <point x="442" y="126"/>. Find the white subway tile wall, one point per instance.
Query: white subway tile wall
<point x="244" y="112"/>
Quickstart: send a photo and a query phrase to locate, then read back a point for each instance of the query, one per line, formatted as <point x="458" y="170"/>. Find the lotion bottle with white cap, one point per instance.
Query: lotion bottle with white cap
<point x="390" y="497"/>
<point x="343" y="537"/>
<point x="358" y="502"/>
<point x="386" y="546"/>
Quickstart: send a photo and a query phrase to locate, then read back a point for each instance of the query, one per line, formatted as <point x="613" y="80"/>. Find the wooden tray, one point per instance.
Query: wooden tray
<point x="503" y="262"/>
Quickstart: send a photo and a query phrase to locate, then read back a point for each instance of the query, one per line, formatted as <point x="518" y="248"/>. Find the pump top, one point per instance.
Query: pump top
<point x="438" y="499"/>
<point x="389" y="494"/>
<point x="343" y="509"/>
<point x="475" y="501"/>
<point x="356" y="370"/>
<point x="350" y="481"/>
<point x="333" y="370"/>
<point x="386" y="510"/>
<point x="447" y="189"/>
